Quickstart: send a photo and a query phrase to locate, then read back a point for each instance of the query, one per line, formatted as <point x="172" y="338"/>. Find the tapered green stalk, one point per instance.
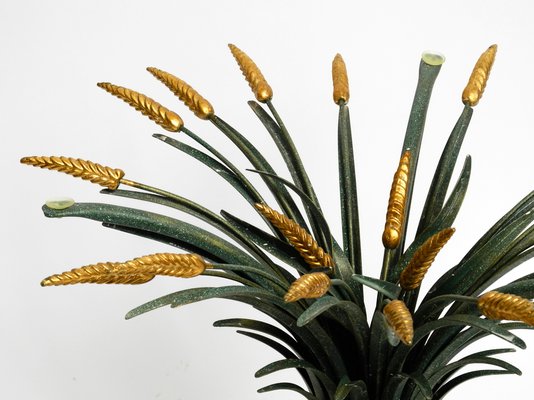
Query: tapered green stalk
<point x="412" y="142"/>
<point x="280" y="193"/>
<point x="347" y="190"/>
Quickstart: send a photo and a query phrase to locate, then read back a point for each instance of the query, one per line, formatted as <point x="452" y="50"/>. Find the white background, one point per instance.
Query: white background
<point x="72" y="342"/>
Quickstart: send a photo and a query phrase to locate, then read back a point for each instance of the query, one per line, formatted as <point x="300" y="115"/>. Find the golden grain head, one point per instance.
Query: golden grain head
<point x="414" y="273"/>
<point x="308" y="286"/>
<point x="162" y="116"/>
<point x="400" y="320"/>
<point x="340" y="80"/>
<point x="479" y="77"/>
<point x="84" y="169"/>
<point x="397" y="203"/>
<point x="201" y="107"/>
<point x="257" y="82"/>
<point x="496" y="305"/>
<point x="298" y="237"/>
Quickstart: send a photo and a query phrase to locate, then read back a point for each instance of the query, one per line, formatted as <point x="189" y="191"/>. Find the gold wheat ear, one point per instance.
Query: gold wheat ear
<point x="253" y="75"/>
<point x="162" y="116"/>
<point x="412" y="276"/>
<point x="190" y="97"/>
<point x="100" y="273"/>
<point x="298" y="237"/>
<point x="397" y="204"/>
<point x="340" y="80"/>
<point x="308" y="286"/>
<point x="479" y="77"/>
<point x="87" y="170"/>
<point x="496" y="305"/>
<point x="400" y="320"/>
<point x="136" y="271"/>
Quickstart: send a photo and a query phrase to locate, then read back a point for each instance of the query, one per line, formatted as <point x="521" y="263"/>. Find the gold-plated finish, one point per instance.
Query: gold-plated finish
<point x="191" y="98"/>
<point x="97" y="273"/>
<point x="397" y="203"/>
<point x="253" y="75"/>
<point x="298" y="237"/>
<point x="496" y="305"/>
<point x="340" y="80"/>
<point x="412" y="276"/>
<point x="400" y="320"/>
<point x="88" y="170"/>
<point x="162" y="116"/>
<point x="479" y="77"/>
<point x="308" y="286"/>
<point x="136" y="271"/>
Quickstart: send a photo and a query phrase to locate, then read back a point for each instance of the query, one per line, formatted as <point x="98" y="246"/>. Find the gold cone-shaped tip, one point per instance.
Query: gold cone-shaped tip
<point x="479" y="77"/>
<point x="136" y="271"/>
<point x="412" y="276"/>
<point x="340" y="80"/>
<point x="162" y="116"/>
<point x="308" y="286"/>
<point x="298" y="237"/>
<point x="190" y="97"/>
<point x="88" y="170"/>
<point x="400" y="320"/>
<point x="496" y="305"/>
<point x="397" y="203"/>
<point x="253" y="75"/>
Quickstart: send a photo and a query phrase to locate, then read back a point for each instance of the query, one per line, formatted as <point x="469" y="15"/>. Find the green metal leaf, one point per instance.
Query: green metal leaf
<point x="348" y="192"/>
<point x="298" y="364"/>
<point x="280" y="193"/>
<point x="379" y="350"/>
<point x="439" y="368"/>
<point x="358" y="389"/>
<point x="260" y="326"/>
<point x="423" y="389"/>
<point x="281" y="250"/>
<point x="287" y="149"/>
<point x="287" y="386"/>
<point x="442" y="176"/>
<point x="239" y="183"/>
<point x="447" y="387"/>
<point x="492" y="327"/>
<point x="171" y="241"/>
<point x="202" y="213"/>
<point x="388" y="289"/>
<point x="311" y="381"/>
<point x="318" y="307"/>
<point x="466" y="361"/>
<point x="412" y="142"/>
<point x="194" y="295"/>
<point x="157" y="224"/>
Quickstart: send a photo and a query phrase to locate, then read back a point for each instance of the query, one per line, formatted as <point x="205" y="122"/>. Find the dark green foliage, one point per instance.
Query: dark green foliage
<point x="339" y="354"/>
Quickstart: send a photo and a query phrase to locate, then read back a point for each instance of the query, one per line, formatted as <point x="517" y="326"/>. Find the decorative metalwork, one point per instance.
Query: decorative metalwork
<point x="191" y="98"/>
<point x="308" y="286"/>
<point x="136" y="271"/>
<point x="496" y="305"/>
<point x="253" y="75"/>
<point x="400" y="320"/>
<point x="340" y="80"/>
<point x="479" y="77"/>
<point x="298" y="237"/>
<point x="397" y="203"/>
<point x="412" y="276"/>
<point x="88" y="170"/>
<point x="162" y="116"/>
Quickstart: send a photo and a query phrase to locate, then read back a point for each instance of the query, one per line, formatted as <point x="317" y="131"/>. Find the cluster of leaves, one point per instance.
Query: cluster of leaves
<point x="329" y="340"/>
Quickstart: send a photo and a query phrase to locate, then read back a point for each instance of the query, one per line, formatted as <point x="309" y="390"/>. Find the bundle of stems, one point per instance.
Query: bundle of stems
<point x="296" y="272"/>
